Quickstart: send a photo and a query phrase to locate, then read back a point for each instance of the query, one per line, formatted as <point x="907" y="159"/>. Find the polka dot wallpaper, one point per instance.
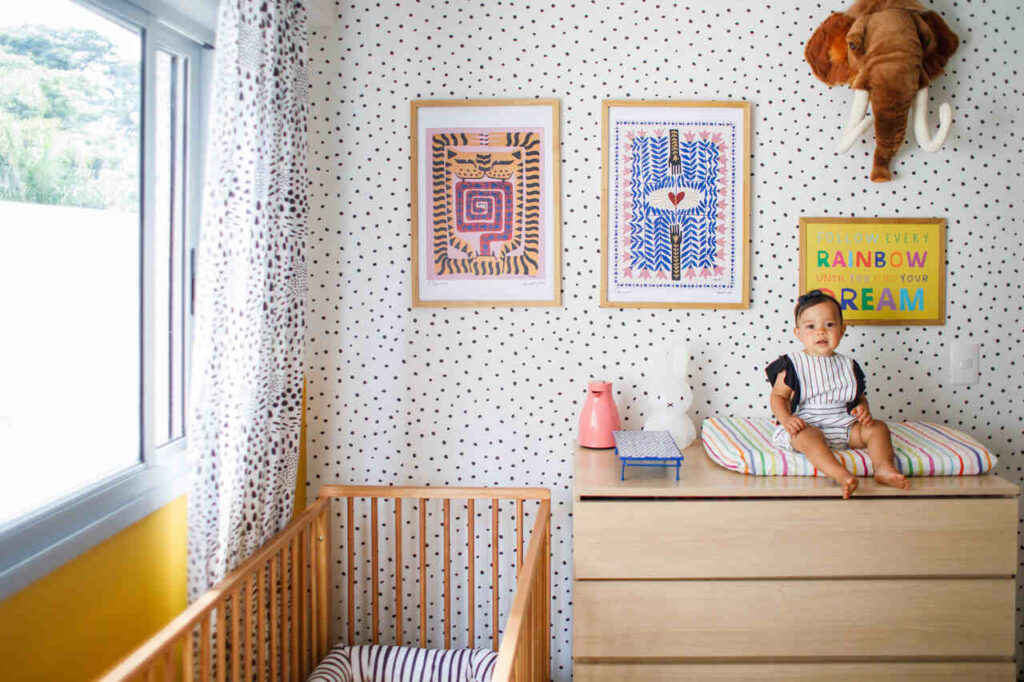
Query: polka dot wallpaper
<point x="491" y="396"/>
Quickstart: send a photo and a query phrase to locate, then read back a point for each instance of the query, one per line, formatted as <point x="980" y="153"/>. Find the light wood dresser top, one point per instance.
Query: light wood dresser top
<point x="596" y="476"/>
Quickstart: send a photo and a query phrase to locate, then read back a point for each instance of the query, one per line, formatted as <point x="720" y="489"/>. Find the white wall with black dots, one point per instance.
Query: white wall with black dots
<point x="491" y="396"/>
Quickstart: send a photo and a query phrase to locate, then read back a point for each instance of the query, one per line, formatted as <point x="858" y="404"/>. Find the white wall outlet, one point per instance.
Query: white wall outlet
<point x="963" y="363"/>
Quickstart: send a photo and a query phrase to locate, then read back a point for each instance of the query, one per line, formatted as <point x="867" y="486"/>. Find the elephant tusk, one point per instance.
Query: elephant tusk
<point x="927" y="143"/>
<point x="857" y="123"/>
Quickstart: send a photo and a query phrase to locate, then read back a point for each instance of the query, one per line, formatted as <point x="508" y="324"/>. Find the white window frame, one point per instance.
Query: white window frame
<point x="39" y="542"/>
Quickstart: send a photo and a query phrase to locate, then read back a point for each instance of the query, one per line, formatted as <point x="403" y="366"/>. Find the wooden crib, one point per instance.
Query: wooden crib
<point x="274" y="609"/>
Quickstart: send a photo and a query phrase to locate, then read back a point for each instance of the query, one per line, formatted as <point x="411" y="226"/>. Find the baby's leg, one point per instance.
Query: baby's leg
<point x="811" y="442"/>
<point x="875" y="437"/>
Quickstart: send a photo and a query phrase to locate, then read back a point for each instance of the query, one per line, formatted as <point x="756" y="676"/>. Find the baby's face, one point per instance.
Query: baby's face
<point x="820" y="329"/>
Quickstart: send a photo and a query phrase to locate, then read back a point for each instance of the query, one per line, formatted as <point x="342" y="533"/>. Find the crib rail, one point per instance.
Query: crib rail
<point x="525" y="653"/>
<point x="268" y="619"/>
<point x="539" y="572"/>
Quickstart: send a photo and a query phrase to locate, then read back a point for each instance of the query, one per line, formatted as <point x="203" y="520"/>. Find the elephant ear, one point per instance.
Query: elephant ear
<point x="941" y="49"/>
<point x="826" y="50"/>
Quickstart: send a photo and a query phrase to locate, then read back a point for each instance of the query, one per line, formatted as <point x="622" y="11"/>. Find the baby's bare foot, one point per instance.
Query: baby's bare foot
<point x="849" y="485"/>
<point x="891" y="476"/>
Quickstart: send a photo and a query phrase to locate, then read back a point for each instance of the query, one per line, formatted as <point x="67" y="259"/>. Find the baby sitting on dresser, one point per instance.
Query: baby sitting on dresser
<point x="818" y="398"/>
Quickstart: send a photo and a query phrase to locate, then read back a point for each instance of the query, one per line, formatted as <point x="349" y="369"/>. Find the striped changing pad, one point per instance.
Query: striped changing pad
<point x="922" y="449"/>
<point x="404" y="664"/>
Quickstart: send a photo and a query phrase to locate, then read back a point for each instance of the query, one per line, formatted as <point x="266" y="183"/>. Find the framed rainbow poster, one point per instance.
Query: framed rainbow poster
<point x="881" y="270"/>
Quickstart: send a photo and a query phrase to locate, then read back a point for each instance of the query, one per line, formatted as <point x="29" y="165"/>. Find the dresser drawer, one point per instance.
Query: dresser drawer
<point x="796" y="672"/>
<point x="795" y="538"/>
<point x="911" y="618"/>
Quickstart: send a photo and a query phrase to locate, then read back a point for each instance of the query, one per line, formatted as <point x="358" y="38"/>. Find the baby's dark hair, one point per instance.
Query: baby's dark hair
<point x="811" y="299"/>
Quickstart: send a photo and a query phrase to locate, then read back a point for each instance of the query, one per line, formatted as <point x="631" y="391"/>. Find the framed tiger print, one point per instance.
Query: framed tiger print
<point x="675" y="204"/>
<point x="486" y="229"/>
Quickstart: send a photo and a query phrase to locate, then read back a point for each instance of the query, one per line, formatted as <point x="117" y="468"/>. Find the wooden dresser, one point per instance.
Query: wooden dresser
<point x="722" y="576"/>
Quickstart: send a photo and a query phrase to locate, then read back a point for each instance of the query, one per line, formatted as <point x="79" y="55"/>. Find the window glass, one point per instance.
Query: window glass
<point x="70" y="122"/>
<point x="170" y="231"/>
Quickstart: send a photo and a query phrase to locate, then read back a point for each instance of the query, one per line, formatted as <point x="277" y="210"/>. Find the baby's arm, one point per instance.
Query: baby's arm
<point x="862" y="413"/>
<point x="779" y="402"/>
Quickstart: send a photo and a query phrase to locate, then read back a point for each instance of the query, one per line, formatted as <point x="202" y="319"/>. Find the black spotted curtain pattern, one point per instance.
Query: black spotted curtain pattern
<point x="246" y="395"/>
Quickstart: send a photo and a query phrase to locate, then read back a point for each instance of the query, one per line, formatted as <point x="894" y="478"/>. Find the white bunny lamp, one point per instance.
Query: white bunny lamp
<point x="672" y="396"/>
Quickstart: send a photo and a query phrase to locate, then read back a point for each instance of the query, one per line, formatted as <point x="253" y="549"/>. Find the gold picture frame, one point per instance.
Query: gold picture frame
<point x="867" y="263"/>
<point x="691" y="213"/>
<point x="486" y="202"/>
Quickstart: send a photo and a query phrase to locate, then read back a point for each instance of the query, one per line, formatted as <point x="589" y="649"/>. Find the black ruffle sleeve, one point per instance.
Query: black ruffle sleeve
<point x="784" y="364"/>
<point x="858" y="373"/>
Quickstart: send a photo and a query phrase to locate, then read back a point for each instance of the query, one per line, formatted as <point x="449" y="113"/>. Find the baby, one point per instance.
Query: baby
<point x="818" y="398"/>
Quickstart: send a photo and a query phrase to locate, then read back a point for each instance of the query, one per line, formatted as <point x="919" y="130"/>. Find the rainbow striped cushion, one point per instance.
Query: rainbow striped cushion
<point x="922" y="449"/>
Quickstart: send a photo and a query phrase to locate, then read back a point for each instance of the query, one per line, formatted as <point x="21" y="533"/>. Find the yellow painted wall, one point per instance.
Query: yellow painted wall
<point x="88" y="614"/>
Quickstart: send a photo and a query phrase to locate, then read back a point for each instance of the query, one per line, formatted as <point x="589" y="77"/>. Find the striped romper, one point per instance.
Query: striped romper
<point x="825" y="390"/>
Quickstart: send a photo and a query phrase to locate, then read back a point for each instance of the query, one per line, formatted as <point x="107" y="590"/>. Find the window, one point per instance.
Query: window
<point x="98" y="217"/>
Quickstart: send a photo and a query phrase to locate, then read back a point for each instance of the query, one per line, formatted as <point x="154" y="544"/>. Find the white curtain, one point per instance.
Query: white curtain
<point x="246" y="398"/>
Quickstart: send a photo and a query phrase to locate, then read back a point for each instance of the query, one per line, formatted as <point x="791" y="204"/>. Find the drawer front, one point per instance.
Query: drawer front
<point x="796" y="672"/>
<point x="912" y="618"/>
<point x="795" y="538"/>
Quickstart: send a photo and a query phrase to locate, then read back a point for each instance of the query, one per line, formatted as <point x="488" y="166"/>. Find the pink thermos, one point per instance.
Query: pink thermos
<point x="599" y="417"/>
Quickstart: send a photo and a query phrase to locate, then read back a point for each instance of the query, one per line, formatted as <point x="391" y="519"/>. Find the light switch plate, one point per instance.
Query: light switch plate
<point x="963" y="363"/>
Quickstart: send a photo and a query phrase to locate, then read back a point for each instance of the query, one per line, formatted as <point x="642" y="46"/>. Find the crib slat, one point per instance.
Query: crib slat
<point x="536" y="626"/>
<point x="423" y="572"/>
<point x="350" y="524"/>
<point x="447" y="573"/>
<point x="236" y="629"/>
<point x="303" y="623"/>
<point x="494" y="571"/>
<point x="262" y="623"/>
<point x="314" y="598"/>
<point x="519" y="536"/>
<point x="323" y="535"/>
<point x="170" y="669"/>
<point x="545" y="580"/>
<point x="374" y="568"/>
<point x="204" y="650"/>
<point x="221" y="659"/>
<point x="275" y="592"/>
<point x="471" y="580"/>
<point x="398" y="571"/>
<point x="151" y="673"/>
<point x="286" y="648"/>
<point x="247" y="649"/>
<point x="188" y="657"/>
<point x="295" y="582"/>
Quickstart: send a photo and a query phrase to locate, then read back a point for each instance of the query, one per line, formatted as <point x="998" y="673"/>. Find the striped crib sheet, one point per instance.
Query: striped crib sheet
<point x="404" y="664"/>
<point x="922" y="449"/>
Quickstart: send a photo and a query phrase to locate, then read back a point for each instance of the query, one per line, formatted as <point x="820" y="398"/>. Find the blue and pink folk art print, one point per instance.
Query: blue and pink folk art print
<point x="485" y="225"/>
<point x="675" y="206"/>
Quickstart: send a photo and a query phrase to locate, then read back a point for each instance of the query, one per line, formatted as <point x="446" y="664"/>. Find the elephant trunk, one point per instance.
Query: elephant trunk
<point x="891" y="108"/>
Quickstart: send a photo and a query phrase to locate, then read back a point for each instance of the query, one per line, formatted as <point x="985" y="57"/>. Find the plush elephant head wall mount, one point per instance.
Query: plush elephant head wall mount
<point x="888" y="51"/>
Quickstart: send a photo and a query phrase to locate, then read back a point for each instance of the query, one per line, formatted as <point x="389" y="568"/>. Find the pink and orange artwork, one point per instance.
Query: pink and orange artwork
<point x="486" y="193"/>
<point x="485" y="208"/>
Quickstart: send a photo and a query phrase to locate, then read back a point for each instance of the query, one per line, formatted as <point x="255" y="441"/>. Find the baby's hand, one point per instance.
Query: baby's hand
<point x="862" y="414"/>
<point x="793" y="425"/>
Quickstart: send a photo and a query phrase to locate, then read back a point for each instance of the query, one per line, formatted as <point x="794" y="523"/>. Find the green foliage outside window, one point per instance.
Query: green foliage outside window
<point x="69" y="120"/>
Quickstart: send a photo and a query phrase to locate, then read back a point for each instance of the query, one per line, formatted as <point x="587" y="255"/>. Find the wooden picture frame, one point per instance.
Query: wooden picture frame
<point x="884" y="271"/>
<point x="486" y="225"/>
<point x="691" y="212"/>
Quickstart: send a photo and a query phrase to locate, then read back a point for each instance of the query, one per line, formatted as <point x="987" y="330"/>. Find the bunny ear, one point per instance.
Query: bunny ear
<point x="942" y="47"/>
<point x="826" y="50"/>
